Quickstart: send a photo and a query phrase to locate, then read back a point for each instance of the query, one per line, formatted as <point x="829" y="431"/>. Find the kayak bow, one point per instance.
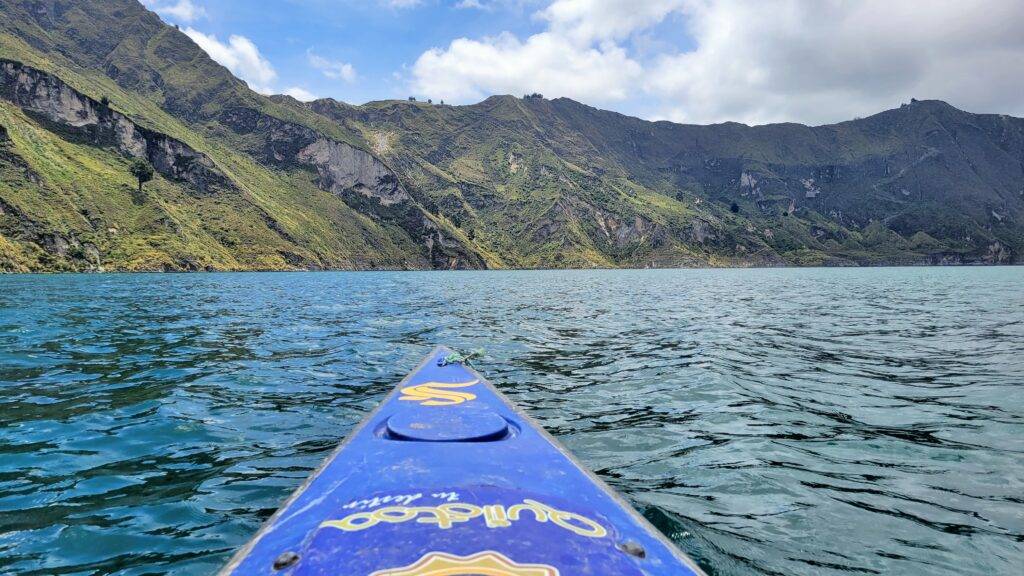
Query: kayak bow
<point x="446" y="477"/>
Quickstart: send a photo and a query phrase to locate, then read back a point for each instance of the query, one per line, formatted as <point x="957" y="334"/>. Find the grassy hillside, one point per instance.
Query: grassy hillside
<point x="274" y="219"/>
<point x="559" y="183"/>
<point x="86" y="195"/>
<point x="508" y="182"/>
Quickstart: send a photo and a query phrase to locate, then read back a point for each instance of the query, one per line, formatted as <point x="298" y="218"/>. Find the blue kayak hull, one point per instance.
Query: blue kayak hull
<point x="446" y="477"/>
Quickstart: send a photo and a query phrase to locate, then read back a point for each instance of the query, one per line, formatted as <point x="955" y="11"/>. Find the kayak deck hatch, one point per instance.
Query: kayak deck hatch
<point x="446" y="477"/>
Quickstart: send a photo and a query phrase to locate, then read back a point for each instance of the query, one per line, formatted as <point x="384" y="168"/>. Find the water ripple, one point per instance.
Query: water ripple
<point x="768" y="421"/>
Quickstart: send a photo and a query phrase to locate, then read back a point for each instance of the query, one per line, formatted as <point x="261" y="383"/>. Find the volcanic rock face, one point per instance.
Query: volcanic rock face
<point x="53" y="100"/>
<point x="359" y="178"/>
<point x="343" y="168"/>
<point x="340" y="166"/>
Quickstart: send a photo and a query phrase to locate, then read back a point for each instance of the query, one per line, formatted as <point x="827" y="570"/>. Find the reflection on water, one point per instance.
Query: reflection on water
<point x="769" y="421"/>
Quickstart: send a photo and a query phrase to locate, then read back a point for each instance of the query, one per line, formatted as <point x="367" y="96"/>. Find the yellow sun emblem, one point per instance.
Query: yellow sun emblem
<point x="438" y="393"/>
<point x="487" y="563"/>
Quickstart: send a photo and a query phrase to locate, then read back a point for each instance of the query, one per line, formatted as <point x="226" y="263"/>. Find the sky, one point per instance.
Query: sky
<point x="692" y="61"/>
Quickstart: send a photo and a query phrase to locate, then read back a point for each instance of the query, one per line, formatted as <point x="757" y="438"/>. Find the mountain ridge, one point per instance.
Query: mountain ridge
<point x="504" y="183"/>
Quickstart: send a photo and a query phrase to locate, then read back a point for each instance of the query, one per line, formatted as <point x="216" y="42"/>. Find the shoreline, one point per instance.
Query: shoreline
<point x="538" y="269"/>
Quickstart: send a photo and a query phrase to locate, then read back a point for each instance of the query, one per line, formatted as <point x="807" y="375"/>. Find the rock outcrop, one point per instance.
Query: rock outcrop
<point x="16" y="225"/>
<point x="53" y="101"/>
<point x="358" y="177"/>
<point x="344" y="168"/>
<point x="341" y="167"/>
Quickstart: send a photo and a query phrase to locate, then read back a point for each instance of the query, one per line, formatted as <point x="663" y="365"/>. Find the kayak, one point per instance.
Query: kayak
<point x="447" y="477"/>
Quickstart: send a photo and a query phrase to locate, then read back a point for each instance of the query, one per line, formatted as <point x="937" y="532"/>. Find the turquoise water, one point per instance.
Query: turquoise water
<point x="808" y="421"/>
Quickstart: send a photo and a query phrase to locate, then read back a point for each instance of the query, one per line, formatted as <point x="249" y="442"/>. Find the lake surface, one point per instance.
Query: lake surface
<point x="813" y="421"/>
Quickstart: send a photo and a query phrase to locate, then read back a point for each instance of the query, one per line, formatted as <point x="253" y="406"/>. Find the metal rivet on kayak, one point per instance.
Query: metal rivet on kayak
<point x="632" y="548"/>
<point x="285" y="560"/>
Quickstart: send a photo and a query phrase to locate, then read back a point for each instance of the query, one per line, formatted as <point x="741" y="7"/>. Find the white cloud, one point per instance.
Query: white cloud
<point x="578" y="56"/>
<point x="514" y="6"/>
<point x="332" y="68"/>
<point x="752" y="61"/>
<point x="182" y="10"/>
<point x="300" y="94"/>
<point x="399" y="4"/>
<point x="548" y="63"/>
<point x="240" y="56"/>
<point x="590" y="20"/>
<point x="818" y="62"/>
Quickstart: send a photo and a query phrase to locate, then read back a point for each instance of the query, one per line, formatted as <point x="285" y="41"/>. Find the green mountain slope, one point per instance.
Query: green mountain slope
<point x="78" y="75"/>
<point x="925" y="183"/>
<point x="246" y="181"/>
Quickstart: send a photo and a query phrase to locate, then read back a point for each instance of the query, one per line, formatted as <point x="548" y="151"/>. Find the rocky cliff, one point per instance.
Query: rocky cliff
<point x="924" y="183"/>
<point x="359" y="178"/>
<point x="253" y="182"/>
<point x="245" y="181"/>
<point x="64" y="109"/>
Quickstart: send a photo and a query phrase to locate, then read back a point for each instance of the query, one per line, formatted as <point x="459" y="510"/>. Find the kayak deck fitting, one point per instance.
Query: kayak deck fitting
<point x="445" y="478"/>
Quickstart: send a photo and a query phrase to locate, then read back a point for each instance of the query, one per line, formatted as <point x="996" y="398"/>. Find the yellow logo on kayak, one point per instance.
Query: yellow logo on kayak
<point x="447" y="515"/>
<point x="438" y="393"/>
<point x="487" y="563"/>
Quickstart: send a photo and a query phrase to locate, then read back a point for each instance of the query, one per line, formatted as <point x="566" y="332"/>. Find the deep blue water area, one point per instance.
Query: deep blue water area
<point x="791" y="421"/>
